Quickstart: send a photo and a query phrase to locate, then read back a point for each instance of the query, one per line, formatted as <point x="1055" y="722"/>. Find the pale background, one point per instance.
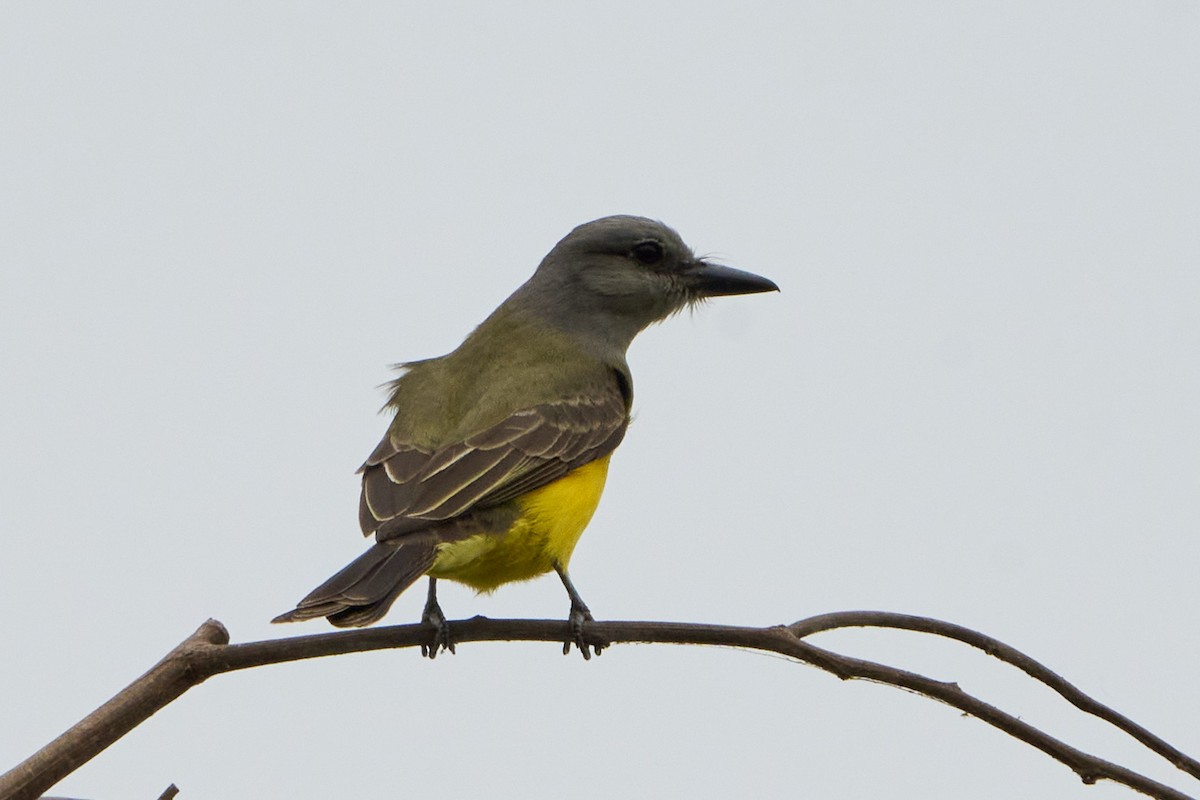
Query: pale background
<point x="977" y="397"/>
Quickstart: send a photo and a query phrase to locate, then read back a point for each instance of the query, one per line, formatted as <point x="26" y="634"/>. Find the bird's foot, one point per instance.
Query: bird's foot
<point x="581" y="637"/>
<point x="440" y="639"/>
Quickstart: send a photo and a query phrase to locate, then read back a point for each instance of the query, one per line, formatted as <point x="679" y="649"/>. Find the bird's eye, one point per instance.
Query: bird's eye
<point x="648" y="253"/>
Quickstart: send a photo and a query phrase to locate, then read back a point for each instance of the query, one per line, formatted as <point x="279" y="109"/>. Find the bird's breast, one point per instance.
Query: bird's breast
<point x="551" y="519"/>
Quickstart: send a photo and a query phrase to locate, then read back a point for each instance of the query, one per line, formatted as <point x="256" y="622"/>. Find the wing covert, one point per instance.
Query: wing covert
<point x="405" y="487"/>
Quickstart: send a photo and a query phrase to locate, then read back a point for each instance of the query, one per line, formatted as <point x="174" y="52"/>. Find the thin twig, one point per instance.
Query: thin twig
<point x="207" y="652"/>
<point x="1009" y="655"/>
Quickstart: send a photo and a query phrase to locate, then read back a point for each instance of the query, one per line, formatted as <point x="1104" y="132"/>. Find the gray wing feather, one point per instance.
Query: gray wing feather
<point x="405" y="488"/>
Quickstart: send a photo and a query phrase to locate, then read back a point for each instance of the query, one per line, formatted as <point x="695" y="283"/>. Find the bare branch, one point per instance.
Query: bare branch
<point x="207" y="652"/>
<point x="133" y="705"/>
<point x="1007" y="654"/>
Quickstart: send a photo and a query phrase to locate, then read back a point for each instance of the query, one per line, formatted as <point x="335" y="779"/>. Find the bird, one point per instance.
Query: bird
<point x="497" y="453"/>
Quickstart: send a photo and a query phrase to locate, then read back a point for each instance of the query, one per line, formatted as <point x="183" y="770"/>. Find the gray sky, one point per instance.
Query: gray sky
<point x="976" y="398"/>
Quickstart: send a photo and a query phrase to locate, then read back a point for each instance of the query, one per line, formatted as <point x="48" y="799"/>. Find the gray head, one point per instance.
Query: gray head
<point x="612" y="277"/>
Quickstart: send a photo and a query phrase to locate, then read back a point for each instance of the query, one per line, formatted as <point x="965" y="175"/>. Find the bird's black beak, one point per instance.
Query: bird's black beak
<point x="714" y="280"/>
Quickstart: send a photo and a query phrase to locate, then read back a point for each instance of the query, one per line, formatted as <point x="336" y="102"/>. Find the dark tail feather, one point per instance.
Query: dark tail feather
<point x="365" y="588"/>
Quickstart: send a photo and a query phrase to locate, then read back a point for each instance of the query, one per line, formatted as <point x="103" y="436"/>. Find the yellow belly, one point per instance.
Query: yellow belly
<point x="551" y="521"/>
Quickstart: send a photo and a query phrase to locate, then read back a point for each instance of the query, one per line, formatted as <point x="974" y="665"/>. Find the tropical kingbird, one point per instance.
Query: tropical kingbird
<point x="498" y="451"/>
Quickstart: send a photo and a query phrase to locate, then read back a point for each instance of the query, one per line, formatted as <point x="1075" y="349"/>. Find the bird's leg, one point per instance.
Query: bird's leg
<point x="579" y="617"/>
<point x="433" y="616"/>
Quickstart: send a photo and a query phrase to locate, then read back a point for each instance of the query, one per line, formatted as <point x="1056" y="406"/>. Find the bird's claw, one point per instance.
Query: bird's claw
<point x="580" y="637"/>
<point x="440" y="639"/>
